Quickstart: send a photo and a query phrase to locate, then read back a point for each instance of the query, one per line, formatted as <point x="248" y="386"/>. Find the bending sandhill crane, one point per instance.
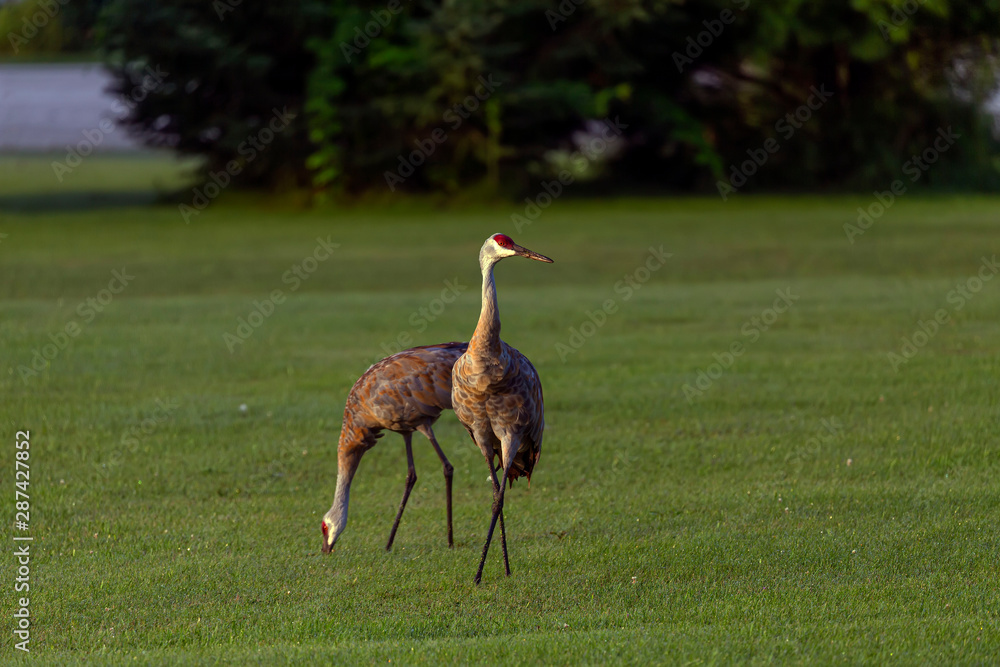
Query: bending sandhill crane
<point x="496" y="392"/>
<point x="405" y="392"/>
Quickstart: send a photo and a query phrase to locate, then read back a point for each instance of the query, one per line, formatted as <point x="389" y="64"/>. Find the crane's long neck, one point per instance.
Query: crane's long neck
<point x="338" y="512"/>
<point x="486" y="339"/>
<point x="348" y="458"/>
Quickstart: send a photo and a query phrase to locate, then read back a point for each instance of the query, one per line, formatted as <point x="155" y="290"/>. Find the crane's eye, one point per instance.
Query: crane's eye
<point x="324" y="527"/>
<point x="504" y="241"/>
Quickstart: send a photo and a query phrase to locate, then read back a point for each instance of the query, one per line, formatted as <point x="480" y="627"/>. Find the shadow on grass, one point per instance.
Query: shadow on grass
<point x="30" y="183"/>
<point x="68" y="202"/>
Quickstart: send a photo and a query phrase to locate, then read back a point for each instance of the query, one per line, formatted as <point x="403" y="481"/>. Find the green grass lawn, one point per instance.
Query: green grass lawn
<point x="811" y="504"/>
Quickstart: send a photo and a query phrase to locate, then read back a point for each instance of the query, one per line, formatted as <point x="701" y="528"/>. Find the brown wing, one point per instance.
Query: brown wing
<point x="523" y="408"/>
<point x="494" y="397"/>
<point x="440" y="360"/>
<point x="397" y="393"/>
<point x="406" y="389"/>
<point x="534" y="387"/>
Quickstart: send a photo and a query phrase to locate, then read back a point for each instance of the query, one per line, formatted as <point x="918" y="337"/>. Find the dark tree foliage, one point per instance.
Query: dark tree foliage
<point x="233" y="74"/>
<point x="503" y="94"/>
<point x="703" y="86"/>
<point x="29" y="28"/>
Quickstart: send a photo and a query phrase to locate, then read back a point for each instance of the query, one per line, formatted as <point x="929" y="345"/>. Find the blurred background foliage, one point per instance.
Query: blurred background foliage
<point x="694" y="84"/>
<point x="39" y="28"/>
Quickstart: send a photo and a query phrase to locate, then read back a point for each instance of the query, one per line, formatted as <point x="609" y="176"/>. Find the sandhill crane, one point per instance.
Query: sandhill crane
<point x="496" y="392"/>
<point x="404" y="392"/>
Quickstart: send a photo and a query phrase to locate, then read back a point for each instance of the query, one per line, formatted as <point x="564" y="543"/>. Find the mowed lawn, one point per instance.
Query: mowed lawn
<point x="807" y="499"/>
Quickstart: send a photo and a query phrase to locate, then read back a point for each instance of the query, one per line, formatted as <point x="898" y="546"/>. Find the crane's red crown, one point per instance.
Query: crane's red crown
<point x="503" y="240"/>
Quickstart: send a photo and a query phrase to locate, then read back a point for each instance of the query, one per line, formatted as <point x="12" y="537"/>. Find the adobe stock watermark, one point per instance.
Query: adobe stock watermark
<point x="294" y="277"/>
<point x="625" y="288"/>
<point x="713" y="30"/>
<point x="562" y="12"/>
<point x="752" y="330"/>
<point x="608" y="138"/>
<point x="381" y="18"/>
<point x="94" y="137"/>
<point x="22" y="523"/>
<point x="278" y="467"/>
<point x="248" y="150"/>
<point x="915" y="167"/>
<point x="47" y="10"/>
<point x="454" y="116"/>
<point x="926" y="330"/>
<point x="829" y="429"/>
<point x="133" y="436"/>
<point x="223" y="7"/>
<point x="786" y="127"/>
<point x="421" y="318"/>
<point x="88" y="310"/>
<point x="901" y="13"/>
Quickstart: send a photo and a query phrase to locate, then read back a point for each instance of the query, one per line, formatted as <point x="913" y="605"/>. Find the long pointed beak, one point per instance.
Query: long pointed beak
<point x="327" y="547"/>
<point x="531" y="254"/>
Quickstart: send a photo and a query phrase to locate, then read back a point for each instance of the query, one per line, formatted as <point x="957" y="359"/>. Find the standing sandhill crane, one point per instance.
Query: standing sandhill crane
<point x="496" y="392"/>
<point x="405" y="392"/>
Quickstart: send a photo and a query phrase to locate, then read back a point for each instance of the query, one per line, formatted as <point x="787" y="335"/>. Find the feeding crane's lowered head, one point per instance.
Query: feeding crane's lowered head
<point x="404" y="392"/>
<point x="499" y="246"/>
<point x="331" y="531"/>
<point x="335" y="520"/>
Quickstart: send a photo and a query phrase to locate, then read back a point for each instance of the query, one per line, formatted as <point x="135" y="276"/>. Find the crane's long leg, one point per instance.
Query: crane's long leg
<point x="503" y="530"/>
<point x="449" y="473"/>
<point x="497" y="509"/>
<point x="411" y="479"/>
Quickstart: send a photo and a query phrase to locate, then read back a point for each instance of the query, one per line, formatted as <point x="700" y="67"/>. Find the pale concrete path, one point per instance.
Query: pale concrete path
<point x="48" y="107"/>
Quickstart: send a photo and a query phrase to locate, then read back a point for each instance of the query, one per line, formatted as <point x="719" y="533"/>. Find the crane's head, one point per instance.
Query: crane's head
<point x="332" y="528"/>
<point x="499" y="246"/>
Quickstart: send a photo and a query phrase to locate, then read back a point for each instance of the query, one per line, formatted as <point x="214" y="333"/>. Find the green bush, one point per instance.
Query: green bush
<point x="233" y="81"/>
<point x="396" y="95"/>
<point x="48" y="27"/>
<point x="31" y="27"/>
<point x="702" y="86"/>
